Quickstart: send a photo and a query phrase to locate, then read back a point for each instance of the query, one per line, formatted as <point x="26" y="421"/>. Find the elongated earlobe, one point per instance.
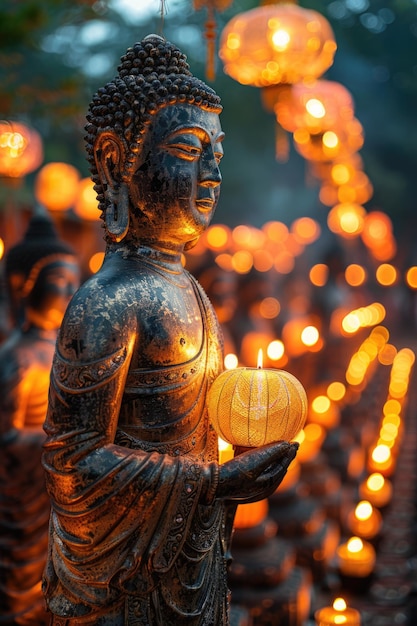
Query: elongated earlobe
<point x="110" y="155"/>
<point x="117" y="212"/>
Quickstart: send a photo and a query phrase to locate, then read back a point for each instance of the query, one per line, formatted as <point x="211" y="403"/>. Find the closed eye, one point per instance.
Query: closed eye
<point x="184" y="151"/>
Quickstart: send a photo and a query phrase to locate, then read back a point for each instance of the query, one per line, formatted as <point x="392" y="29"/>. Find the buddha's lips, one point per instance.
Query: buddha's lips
<point x="205" y="204"/>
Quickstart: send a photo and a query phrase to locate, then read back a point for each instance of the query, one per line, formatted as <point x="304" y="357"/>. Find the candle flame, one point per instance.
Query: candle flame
<point x="260" y="358"/>
<point x="355" y="544"/>
<point x="339" y="604"/>
<point x="375" y="481"/>
<point x="363" y="510"/>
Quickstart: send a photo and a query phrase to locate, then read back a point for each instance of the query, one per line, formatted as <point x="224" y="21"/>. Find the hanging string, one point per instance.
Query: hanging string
<point x="162" y="12"/>
<point x="210" y="31"/>
<point x="282" y="144"/>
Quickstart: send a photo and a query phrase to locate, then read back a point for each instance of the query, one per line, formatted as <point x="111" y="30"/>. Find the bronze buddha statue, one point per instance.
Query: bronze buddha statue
<point x="41" y="273"/>
<point x="141" y="510"/>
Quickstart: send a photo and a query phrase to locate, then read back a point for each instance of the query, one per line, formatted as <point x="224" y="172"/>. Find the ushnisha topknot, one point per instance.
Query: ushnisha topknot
<point x="153" y="73"/>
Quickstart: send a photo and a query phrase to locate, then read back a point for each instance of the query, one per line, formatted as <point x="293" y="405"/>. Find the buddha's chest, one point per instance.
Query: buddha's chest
<point x="169" y="328"/>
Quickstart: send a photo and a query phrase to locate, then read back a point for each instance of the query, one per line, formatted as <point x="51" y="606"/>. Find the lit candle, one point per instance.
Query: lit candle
<point x="381" y="460"/>
<point x="377" y="489"/>
<point x="364" y="520"/>
<point x="338" y="614"/>
<point x="251" y="407"/>
<point x="324" y="412"/>
<point x="356" y="558"/>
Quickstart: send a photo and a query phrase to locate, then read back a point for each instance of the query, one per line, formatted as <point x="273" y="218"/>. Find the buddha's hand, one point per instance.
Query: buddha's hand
<point x="256" y="473"/>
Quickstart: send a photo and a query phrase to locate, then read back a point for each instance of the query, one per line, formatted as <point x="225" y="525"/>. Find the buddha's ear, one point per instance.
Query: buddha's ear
<point x="110" y="155"/>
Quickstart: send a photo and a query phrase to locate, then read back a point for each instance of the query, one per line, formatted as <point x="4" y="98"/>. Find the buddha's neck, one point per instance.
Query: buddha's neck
<point x="169" y="260"/>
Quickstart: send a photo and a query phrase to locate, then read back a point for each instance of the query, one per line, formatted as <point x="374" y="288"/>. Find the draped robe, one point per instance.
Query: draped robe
<point x="134" y="537"/>
<point x="25" y="363"/>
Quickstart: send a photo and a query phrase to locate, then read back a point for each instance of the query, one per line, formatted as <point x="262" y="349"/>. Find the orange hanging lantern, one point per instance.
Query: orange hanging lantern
<point x="212" y="6"/>
<point x="316" y="105"/>
<point x="86" y="203"/>
<point x="338" y="171"/>
<point x="250" y="407"/>
<point x="21" y="149"/>
<point x="359" y="189"/>
<point x="277" y="44"/>
<point x="56" y="186"/>
<point x="338" y="142"/>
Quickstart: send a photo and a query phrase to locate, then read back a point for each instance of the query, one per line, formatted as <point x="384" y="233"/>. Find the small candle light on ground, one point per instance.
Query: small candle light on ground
<point x="381" y="460"/>
<point x="365" y="521"/>
<point x="338" y="614"/>
<point x="377" y="489"/>
<point x="356" y="558"/>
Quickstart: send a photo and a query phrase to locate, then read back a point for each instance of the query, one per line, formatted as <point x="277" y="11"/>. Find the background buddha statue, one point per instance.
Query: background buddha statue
<point x="41" y="273"/>
<point x="142" y="512"/>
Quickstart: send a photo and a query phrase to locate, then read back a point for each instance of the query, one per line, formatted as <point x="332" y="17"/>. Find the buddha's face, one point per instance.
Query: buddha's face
<point x="54" y="288"/>
<point x="176" y="183"/>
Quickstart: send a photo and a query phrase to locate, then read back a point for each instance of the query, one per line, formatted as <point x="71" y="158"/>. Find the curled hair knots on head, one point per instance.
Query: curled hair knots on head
<point x="152" y="74"/>
<point x="156" y="54"/>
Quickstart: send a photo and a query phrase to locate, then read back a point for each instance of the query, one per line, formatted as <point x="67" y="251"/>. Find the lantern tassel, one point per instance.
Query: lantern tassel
<point x="210" y="36"/>
<point x="282" y="144"/>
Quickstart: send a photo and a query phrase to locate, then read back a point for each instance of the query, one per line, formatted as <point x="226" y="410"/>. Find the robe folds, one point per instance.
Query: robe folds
<point x="136" y="536"/>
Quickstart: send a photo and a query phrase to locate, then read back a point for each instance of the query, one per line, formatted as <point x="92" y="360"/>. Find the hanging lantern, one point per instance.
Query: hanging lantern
<point x="21" y="149"/>
<point x="339" y="170"/>
<point x="277" y="44"/>
<point x="359" y="189"/>
<point x="316" y="105"/>
<point x="250" y="407"/>
<point x="56" y="186"/>
<point x="330" y="144"/>
<point x="86" y="203"/>
<point x="210" y="34"/>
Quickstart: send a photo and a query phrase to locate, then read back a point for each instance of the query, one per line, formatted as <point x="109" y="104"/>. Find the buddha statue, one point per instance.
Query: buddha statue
<point x="141" y="509"/>
<point x="41" y="273"/>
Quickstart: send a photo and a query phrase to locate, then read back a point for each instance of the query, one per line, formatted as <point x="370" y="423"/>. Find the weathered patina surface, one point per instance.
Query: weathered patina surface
<point x="141" y="510"/>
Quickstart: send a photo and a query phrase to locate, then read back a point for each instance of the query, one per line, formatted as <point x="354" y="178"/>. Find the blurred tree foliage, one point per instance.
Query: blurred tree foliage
<point x="55" y="53"/>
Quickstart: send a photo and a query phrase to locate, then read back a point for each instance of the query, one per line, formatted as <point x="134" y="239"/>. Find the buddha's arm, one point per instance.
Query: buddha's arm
<point x="87" y="383"/>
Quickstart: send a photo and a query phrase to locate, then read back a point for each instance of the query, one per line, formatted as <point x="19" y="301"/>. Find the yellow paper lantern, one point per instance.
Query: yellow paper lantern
<point x="276" y="44"/>
<point x="250" y="407"/>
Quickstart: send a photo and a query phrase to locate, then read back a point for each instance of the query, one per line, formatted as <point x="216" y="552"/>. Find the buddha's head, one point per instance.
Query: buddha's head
<point x="153" y="145"/>
<point x="42" y="274"/>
